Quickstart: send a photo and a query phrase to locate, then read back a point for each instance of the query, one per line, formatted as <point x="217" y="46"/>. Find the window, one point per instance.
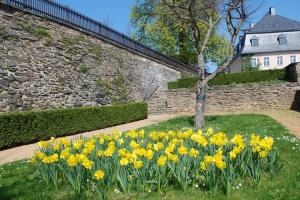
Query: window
<point x="293" y="59"/>
<point x="279" y="61"/>
<point x="266" y="61"/>
<point x="254" y="41"/>
<point x="253" y="62"/>
<point x="282" y="39"/>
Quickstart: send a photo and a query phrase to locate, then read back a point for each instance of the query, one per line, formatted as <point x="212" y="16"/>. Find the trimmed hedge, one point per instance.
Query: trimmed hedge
<point x="18" y="128"/>
<point x="226" y="79"/>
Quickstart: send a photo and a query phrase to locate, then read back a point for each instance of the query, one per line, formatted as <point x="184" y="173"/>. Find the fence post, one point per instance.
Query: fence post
<point x="68" y="14"/>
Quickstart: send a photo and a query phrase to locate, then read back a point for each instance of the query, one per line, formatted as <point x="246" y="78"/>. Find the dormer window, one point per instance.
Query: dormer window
<point x="282" y="39"/>
<point x="254" y="41"/>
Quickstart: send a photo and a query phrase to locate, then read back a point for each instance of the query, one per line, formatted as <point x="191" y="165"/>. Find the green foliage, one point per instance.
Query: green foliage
<point x="173" y="85"/>
<point x="183" y="83"/>
<point x="3" y="35"/>
<point x="115" y="88"/>
<point x="41" y="33"/>
<point x="72" y="40"/>
<point x="38" y="32"/>
<point x="97" y="51"/>
<point x="154" y="26"/>
<point x="274" y="165"/>
<point x="247" y="65"/>
<point x="227" y="79"/>
<point x="105" y="86"/>
<point x="83" y="68"/>
<point x="249" y="77"/>
<point x="19" y="128"/>
<point x="24" y="26"/>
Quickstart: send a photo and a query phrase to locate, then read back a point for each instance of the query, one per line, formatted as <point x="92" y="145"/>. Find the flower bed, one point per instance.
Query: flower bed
<point x="139" y="162"/>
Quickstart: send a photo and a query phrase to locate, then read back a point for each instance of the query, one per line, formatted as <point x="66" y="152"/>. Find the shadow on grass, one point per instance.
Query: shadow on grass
<point x="4" y="194"/>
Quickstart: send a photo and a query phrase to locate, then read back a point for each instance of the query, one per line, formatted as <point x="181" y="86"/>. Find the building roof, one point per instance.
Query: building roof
<point x="274" y="23"/>
<point x="269" y="42"/>
<point x="267" y="32"/>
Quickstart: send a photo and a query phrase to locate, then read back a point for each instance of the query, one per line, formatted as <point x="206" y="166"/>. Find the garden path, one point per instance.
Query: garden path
<point x="289" y="119"/>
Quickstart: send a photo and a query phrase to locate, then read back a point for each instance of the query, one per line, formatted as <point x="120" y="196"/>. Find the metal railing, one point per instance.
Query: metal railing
<point x="56" y="11"/>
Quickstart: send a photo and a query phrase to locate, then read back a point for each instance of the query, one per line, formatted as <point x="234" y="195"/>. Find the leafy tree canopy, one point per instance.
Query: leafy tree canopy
<point x="156" y="28"/>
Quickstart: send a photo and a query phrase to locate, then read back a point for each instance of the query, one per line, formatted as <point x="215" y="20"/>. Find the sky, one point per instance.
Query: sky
<point x="116" y="13"/>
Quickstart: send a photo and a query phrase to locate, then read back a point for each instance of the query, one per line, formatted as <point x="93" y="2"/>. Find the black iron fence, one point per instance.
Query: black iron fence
<point x="60" y="12"/>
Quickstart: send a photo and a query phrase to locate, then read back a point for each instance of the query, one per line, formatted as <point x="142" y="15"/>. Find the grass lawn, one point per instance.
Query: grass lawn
<point x="19" y="180"/>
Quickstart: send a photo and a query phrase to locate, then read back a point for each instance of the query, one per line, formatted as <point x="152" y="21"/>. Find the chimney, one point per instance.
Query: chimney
<point x="251" y="25"/>
<point x="272" y="11"/>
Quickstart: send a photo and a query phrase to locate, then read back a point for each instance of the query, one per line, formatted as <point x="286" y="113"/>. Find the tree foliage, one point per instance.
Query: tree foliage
<point x="247" y="65"/>
<point x="156" y="27"/>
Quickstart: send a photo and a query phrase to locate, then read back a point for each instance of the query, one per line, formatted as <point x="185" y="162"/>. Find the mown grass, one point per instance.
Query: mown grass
<point x="20" y="181"/>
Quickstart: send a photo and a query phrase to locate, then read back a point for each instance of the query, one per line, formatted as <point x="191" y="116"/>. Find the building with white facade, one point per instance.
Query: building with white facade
<point x="273" y="43"/>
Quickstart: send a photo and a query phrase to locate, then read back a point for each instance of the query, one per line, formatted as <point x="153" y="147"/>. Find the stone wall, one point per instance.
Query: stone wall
<point x="44" y="64"/>
<point x="232" y="98"/>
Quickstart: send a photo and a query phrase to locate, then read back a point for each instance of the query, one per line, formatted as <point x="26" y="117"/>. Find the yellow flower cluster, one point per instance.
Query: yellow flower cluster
<point x="49" y="159"/>
<point x="261" y="146"/>
<point x="219" y="139"/>
<point x="216" y="159"/>
<point x="239" y="145"/>
<point x="136" y="150"/>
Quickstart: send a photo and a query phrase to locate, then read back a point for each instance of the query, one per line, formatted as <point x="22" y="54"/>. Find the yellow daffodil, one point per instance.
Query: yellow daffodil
<point x="182" y="150"/>
<point x="149" y="154"/>
<point x="99" y="174"/>
<point x="55" y="147"/>
<point x="161" y="161"/>
<point x="193" y="152"/>
<point x="203" y="166"/>
<point x="263" y="154"/>
<point x="65" y="153"/>
<point x="87" y="163"/>
<point x="43" y="144"/>
<point x="72" y="161"/>
<point x="173" y="157"/>
<point x="138" y="164"/>
<point x="124" y="161"/>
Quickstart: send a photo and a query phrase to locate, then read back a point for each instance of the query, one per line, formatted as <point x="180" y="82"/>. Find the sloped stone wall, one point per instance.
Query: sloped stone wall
<point x="232" y="98"/>
<point x="44" y="64"/>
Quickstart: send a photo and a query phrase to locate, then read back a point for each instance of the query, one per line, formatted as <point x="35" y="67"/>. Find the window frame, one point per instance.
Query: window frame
<point x="267" y="60"/>
<point x="293" y="59"/>
<point x="254" y="44"/>
<point x="254" y="59"/>
<point x="282" y="39"/>
<point x="281" y="61"/>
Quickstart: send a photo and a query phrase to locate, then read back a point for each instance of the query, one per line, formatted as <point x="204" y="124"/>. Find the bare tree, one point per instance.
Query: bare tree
<point x="203" y="16"/>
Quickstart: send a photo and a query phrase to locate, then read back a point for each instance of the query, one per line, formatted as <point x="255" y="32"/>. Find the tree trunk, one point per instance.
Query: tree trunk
<point x="200" y="95"/>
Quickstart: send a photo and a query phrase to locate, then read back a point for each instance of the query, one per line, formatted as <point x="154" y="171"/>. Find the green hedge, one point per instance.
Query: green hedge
<point x="226" y="79"/>
<point x="18" y="128"/>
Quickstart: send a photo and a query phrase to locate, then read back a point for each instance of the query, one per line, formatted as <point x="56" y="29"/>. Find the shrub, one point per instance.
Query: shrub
<point x="249" y="77"/>
<point x="226" y="79"/>
<point x="173" y="85"/>
<point x="26" y="127"/>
